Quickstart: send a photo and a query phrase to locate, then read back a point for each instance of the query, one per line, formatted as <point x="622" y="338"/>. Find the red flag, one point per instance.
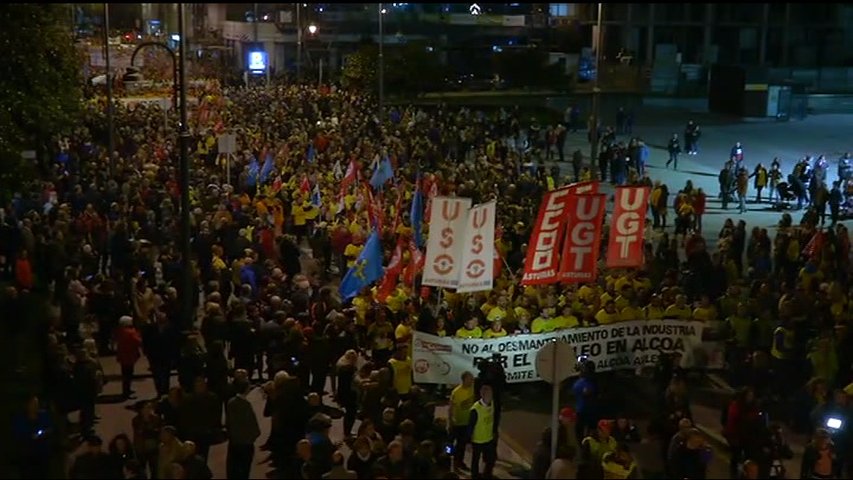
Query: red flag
<point x="398" y="205"/>
<point x="625" y="245"/>
<point x="813" y="249"/>
<point x="432" y="192"/>
<point x="305" y="186"/>
<point x="416" y="263"/>
<point x="579" y="262"/>
<point x="392" y="273"/>
<point x="542" y="263"/>
<point x="351" y="175"/>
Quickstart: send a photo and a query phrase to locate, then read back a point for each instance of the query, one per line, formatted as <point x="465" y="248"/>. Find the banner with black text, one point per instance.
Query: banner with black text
<point x="624" y="345"/>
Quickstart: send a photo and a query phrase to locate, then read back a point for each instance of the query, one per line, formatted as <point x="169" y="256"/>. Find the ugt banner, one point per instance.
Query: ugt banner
<point x="579" y="262"/>
<point x="478" y="250"/>
<point x="542" y="262"/>
<point x="444" y="243"/>
<point x="625" y="345"/>
<point x="625" y="245"/>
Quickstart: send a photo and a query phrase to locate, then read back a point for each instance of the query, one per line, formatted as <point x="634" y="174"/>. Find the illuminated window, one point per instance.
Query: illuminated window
<point x="559" y="9"/>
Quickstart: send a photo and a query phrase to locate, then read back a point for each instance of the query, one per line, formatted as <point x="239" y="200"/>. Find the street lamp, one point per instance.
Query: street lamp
<point x="174" y="63"/>
<point x="382" y="12"/>
<point x="187" y="316"/>
<point x="111" y="143"/>
<point x="312" y="29"/>
<point x="593" y="149"/>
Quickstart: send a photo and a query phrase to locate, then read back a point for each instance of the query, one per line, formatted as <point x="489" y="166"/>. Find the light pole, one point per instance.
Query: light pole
<point x="111" y="142"/>
<point x="187" y="316"/>
<point x="593" y="151"/>
<point x="381" y="64"/>
<point x="298" y="42"/>
<point x="175" y="85"/>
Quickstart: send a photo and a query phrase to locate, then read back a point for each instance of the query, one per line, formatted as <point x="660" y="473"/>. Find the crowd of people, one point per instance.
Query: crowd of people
<point x="97" y="239"/>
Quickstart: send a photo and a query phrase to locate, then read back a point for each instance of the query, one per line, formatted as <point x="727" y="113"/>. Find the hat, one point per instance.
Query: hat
<point x="605" y="425"/>
<point x="125" y="321"/>
<point x="569" y="413"/>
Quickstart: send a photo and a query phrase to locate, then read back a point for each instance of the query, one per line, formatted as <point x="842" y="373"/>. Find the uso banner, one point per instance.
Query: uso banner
<point x="625" y="246"/>
<point x="478" y="250"/>
<point x="542" y="262"/>
<point x="583" y="237"/>
<point x="625" y="345"/>
<point x="444" y="242"/>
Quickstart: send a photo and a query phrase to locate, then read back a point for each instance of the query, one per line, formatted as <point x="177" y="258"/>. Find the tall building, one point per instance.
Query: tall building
<point x="765" y="34"/>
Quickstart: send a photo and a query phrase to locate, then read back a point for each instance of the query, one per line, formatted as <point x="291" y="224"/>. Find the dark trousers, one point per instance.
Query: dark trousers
<point x="238" y="463"/>
<point x="161" y="375"/>
<point x="489" y="452"/>
<point x="461" y="439"/>
<point x="87" y="415"/>
<point x="673" y="159"/>
<point x="350" y="413"/>
<point x="126" y="379"/>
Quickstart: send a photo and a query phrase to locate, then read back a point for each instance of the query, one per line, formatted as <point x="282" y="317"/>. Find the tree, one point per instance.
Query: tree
<point x="360" y="68"/>
<point x="40" y="84"/>
<point x="527" y="68"/>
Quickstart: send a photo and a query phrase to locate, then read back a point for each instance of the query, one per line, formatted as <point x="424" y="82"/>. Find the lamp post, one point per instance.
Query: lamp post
<point x="187" y="316"/>
<point x="593" y="151"/>
<point x="298" y="42"/>
<point x="111" y="142"/>
<point x="381" y="63"/>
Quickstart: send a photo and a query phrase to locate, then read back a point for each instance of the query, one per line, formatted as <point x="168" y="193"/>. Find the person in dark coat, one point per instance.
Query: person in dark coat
<point x="93" y="463"/>
<point x="160" y="342"/>
<point x="201" y="413"/>
<point x="290" y="256"/>
<point x="195" y="465"/>
<point x="347" y="397"/>
<point x="120" y="453"/>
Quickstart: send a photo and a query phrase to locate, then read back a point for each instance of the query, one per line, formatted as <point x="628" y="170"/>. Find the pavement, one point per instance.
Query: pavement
<point x="117" y="415"/>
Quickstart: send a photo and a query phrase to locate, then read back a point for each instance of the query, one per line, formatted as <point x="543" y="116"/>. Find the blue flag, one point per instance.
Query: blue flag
<point x="384" y="172"/>
<point x="254" y="172"/>
<point x="310" y="153"/>
<point x="367" y="268"/>
<point x="267" y="168"/>
<point x="417" y="214"/>
<point x="316" y="200"/>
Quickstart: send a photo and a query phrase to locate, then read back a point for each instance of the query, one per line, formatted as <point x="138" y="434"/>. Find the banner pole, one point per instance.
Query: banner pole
<point x="555" y="408"/>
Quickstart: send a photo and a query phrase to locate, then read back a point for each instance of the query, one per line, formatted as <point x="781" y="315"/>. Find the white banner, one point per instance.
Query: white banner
<point x="625" y="345"/>
<point x="444" y="243"/>
<point x="478" y="250"/>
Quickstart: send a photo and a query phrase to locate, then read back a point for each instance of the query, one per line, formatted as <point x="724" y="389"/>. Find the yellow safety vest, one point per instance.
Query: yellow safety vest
<point x="788" y="342"/>
<point x="484" y="429"/>
<point x="597" y="448"/>
<point x="613" y="470"/>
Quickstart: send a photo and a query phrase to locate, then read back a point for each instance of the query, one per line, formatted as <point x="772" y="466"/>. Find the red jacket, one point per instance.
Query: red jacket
<point x="741" y="422"/>
<point x="699" y="204"/>
<point x="24" y="273"/>
<point x="128" y="342"/>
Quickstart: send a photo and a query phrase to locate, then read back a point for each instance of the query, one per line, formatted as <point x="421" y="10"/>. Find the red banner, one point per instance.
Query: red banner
<point x="625" y="245"/>
<point x="579" y="261"/>
<point x="542" y="261"/>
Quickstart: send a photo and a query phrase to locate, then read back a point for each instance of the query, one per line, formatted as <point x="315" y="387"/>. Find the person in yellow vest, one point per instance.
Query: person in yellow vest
<point x="782" y="353"/>
<point x="593" y="449"/>
<point x="482" y="427"/>
<point x="654" y="310"/>
<point x="544" y="323"/>
<point x="608" y="314"/>
<point x="678" y="310"/>
<point x="496" y="330"/>
<point x="401" y="366"/>
<point x="462" y="398"/>
<point x="619" y="464"/>
<point x="470" y="329"/>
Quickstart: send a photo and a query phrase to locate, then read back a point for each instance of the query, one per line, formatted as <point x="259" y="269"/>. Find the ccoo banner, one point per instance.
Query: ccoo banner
<point x="543" y="253"/>
<point x="625" y="345"/>
<point x="444" y="243"/>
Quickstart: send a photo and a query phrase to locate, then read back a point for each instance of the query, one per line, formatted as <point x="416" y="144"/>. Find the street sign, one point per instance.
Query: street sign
<point x="227" y="143"/>
<point x="556" y="362"/>
<point x="475" y="9"/>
